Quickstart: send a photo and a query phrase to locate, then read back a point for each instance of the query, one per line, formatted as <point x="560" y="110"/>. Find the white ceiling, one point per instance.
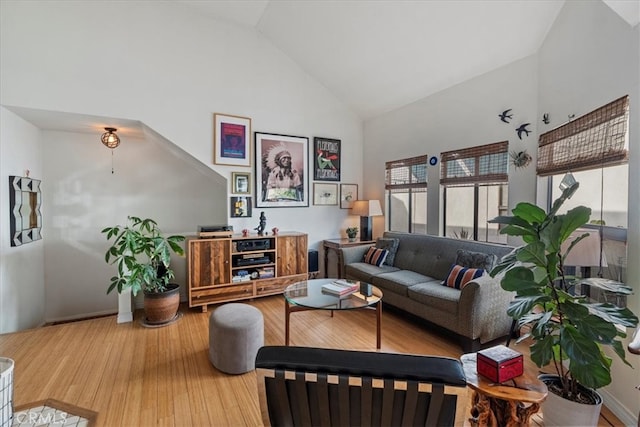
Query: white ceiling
<point x="376" y="55"/>
<point x="379" y="55"/>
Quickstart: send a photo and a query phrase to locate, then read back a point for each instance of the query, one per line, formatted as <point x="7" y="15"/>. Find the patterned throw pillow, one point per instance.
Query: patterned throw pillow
<point x="389" y="244"/>
<point x="476" y="259"/>
<point x="375" y="256"/>
<point x="459" y="276"/>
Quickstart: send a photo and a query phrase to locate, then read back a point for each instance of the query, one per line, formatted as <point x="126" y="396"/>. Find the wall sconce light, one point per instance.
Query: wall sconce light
<point x="366" y="209"/>
<point x="110" y="138"/>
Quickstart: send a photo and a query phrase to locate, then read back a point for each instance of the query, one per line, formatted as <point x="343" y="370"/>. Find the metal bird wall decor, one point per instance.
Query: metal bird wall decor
<point x="545" y="118"/>
<point x="523" y="129"/>
<point x="505" y="116"/>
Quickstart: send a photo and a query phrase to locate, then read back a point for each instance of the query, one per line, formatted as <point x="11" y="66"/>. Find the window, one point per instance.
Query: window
<point x="594" y="150"/>
<point x="475" y="191"/>
<point x="406" y="189"/>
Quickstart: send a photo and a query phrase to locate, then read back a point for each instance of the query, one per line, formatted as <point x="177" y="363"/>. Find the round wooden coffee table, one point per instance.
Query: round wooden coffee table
<point x="308" y="295"/>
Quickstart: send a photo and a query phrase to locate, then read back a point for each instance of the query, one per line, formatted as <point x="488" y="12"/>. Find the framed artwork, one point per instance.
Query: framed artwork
<point x="325" y="194"/>
<point x="231" y="140"/>
<point x="241" y="182"/>
<point x="281" y="170"/>
<point x="326" y="159"/>
<point x="240" y="207"/>
<point x="348" y="195"/>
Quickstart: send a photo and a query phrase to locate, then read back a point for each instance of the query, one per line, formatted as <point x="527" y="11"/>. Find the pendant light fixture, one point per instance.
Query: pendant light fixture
<point x="111" y="140"/>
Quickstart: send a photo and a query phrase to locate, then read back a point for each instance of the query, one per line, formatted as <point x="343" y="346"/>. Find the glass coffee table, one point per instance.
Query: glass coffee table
<point x="309" y="295"/>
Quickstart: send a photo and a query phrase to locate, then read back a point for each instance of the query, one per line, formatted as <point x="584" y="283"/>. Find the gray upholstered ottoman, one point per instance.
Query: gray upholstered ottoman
<point x="236" y="332"/>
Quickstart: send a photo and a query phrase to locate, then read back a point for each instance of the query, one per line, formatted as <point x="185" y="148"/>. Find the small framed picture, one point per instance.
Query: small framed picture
<point x="348" y="195"/>
<point x="240" y="207"/>
<point x="241" y="182"/>
<point x="281" y="170"/>
<point x="326" y="159"/>
<point x="325" y="194"/>
<point x="231" y="140"/>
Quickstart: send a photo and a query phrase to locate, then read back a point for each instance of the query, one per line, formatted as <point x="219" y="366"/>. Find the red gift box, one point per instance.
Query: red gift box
<point x="499" y="363"/>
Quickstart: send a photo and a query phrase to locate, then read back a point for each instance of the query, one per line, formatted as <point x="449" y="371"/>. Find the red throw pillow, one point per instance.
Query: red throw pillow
<point x="459" y="276"/>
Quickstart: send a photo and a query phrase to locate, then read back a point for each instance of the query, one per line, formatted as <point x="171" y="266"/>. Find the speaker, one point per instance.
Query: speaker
<point x="313" y="260"/>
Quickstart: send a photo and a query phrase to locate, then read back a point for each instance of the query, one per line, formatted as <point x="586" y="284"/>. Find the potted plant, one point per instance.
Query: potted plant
<point x="352" y="232"/>
<point x="142" y="256"/>
<point x="568" y="332"/>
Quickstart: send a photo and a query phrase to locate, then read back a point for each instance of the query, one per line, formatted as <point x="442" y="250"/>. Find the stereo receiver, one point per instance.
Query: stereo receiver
<point x="253" y="245"/>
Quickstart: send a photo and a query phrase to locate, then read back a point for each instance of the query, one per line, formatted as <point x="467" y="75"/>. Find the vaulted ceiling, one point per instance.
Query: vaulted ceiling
<point x="379" y="55"/>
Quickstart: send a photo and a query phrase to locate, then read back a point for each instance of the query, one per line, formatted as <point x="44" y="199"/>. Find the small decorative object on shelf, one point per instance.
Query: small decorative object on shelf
<point x="245" y="232"/>
<point x="352" y="232"/>
<point x="499" y="363"/>
<point x="275" y="230"/>
<point x="263" y="224"/>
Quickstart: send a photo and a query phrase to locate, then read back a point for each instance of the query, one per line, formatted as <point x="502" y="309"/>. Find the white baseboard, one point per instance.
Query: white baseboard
<point x="80" y="316"/>
<point x="619" y="410"/>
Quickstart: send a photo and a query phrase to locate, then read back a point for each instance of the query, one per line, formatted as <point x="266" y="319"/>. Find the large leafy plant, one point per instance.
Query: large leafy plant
<point x="564" y="327"/>
<point x="142" y="255"/>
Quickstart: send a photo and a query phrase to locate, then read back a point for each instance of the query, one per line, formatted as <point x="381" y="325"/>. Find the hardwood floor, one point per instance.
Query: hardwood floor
<point x="136" y="376"/>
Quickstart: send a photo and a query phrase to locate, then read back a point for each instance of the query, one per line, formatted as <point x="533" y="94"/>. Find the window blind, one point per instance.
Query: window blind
<point x="411" y="173"/>
<point x="484" y="164"/>
<point x="597" y="139"/>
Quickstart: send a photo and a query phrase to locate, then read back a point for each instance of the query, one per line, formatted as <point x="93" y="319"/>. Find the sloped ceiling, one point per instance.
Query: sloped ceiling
<point x="379" y="55"/>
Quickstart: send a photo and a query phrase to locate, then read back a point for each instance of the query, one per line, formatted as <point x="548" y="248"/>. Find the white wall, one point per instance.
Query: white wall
<point x="22" y="289"/>
<point x="83" y="197"/>
<point x="463" y="116"/>
<point x="591" y="57"/>
<point x="171" y="69"/>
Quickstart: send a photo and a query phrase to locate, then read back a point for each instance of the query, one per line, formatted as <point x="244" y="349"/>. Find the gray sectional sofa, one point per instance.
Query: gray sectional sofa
<point x="476" y="314"/>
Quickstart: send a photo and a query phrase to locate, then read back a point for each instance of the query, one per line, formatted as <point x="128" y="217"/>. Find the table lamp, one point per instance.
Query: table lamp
<point x="365" y="209"/>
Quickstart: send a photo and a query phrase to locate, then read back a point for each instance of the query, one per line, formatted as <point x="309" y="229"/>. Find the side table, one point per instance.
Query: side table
<point x="334" y="245"/>
<point x="502" y="405"/>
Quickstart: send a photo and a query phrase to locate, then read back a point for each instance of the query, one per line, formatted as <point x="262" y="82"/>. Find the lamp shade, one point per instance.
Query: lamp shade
<point x="366" y="208"/>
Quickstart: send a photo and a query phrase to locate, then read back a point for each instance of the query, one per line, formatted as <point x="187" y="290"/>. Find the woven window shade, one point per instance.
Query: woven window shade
<point x="597" y="139"/>
<point x="484" y="164"/>
<point x="405" y="174"/>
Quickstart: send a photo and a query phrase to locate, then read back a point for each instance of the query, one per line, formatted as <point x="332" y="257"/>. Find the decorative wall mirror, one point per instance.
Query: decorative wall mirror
<point x="25" y="218"/>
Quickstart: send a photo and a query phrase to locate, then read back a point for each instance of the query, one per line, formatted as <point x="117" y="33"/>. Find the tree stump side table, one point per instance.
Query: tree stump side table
<point x="502" y="405"/>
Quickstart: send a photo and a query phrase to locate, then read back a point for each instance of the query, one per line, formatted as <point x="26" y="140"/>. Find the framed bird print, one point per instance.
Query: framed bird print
<point x="325" y="194"/>
<point x="281" y="170"/>
<point x="348" y="195"/>
<point x="326" y="159"/>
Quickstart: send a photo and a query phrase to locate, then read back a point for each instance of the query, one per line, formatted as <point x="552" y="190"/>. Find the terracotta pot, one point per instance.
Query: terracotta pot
<point x="558" y="411"/>
<point x="162" y="307"/>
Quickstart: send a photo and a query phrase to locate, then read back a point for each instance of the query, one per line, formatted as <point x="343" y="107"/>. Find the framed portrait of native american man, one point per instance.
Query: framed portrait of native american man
<point x="281" y="170"/>
<point x="326" y="159"/>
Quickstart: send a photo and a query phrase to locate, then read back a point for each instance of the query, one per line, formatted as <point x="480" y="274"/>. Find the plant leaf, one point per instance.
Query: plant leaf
<point x="542" y="351"/>
<point x="530" y="213"/>
<point x="618" y="315"/>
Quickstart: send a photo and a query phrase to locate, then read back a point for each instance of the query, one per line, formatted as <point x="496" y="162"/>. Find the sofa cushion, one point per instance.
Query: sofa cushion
<point x="399" y="281"/>
<point x="365" y="272"/>
<point x="389" y="244"/>
<point x="433" y="294"/>
<point x="472" y="259"/>
<point x="375" y="256"/>
<point x="459" y="276"/>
